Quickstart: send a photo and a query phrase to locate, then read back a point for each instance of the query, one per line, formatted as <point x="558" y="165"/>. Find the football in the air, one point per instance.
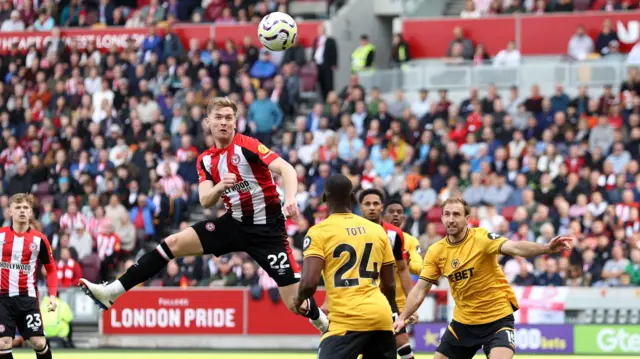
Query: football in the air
<point x="277" y="31"/>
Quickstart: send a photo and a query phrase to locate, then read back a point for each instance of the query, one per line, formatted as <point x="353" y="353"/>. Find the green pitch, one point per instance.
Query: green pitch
<point x="163" y="354"/>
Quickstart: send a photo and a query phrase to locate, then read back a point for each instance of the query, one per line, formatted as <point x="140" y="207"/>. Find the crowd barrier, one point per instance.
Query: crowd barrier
<point x="533" y="34"/>
<point x="104" y="38"/>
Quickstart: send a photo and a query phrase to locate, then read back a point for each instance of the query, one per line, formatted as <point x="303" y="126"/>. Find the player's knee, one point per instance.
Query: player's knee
<point x="5" y="343"/>
<point x="173" y="242"/>
<point x="438" y="355"/>
<point x="290" y="306"/>
<point x="38" y="343"/>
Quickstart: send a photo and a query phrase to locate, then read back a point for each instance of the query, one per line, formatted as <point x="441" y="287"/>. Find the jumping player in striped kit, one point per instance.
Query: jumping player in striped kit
<point x="237" y="169"/>
<point x="22" y="250"/>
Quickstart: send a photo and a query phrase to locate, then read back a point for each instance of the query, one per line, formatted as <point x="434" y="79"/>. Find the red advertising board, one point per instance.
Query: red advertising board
<point x="177" y="311"/>
<point x="169" y="311"/>
<point x="102" y="38"/>
<point x="307" y="32"/>
<point x="265" y="317"/>
<point x="534" y="35"/>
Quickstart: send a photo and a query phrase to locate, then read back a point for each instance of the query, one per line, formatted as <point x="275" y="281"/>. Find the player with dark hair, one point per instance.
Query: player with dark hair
<point x="22" y="250"/>
<point x="467" y="257"/>
<point x="371" y="205"/>
<point x="237" y="169"/>
<point x="394" y="214"/>
<point x="348" y="251"/>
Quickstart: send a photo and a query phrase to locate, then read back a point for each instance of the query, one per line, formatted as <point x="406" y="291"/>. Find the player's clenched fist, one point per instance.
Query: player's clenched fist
<point x="291" y="209"/>
<point x="228" y="180"/>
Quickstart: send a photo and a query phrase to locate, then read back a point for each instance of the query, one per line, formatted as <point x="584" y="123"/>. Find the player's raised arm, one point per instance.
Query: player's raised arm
<point x="290" y="180"/>
<point x="530" y="249"/>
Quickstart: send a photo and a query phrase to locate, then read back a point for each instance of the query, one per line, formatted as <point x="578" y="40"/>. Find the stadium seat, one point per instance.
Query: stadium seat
<point x="507" y="213"/>
<point x="308" y="75"/>
<point x="434" y="214"/>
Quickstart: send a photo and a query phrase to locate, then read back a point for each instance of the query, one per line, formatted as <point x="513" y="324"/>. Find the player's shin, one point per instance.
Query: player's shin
<point x="44" y="353"/>
<point x="5" y="348"/>
<point x="405" y="352"/>
<point x="146" y="267"/>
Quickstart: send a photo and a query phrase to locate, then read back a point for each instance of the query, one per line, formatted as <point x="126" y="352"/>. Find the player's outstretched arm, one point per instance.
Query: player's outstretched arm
<point x="530" y="249"/>
<point x="290" y="180"/>
<point x="311" y="273"/>
<point x="414" y="300"/>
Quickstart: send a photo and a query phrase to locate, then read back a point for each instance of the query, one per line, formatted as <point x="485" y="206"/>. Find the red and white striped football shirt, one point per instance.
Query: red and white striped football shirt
<point x="254" y="197"/>
<point x="107" y="244"/>
<point x="21" y="255"/>
<point x="68" y="221"/>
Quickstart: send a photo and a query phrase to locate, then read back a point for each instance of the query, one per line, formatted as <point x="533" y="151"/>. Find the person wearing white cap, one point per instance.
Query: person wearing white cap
<point x="14" y="23"/>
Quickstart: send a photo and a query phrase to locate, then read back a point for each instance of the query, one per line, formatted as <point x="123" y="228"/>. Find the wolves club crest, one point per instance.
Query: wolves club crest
<point x="455" y="263"/>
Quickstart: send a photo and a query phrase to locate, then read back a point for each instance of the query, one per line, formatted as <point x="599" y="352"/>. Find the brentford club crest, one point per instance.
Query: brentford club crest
<point x="33" y="246"/>
<point x="235" y="159"/>
<point x="210" y="226"/>
<point x="2" y="328"/>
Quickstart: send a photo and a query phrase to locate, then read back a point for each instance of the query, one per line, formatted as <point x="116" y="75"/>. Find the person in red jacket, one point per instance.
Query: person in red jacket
<point x="69" y="270"/>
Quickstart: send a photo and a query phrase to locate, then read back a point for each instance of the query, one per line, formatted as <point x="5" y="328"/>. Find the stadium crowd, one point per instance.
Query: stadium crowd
<point x="108" y="144"/>
<point x="480" y="8"/>
<point x="35" y="15"/>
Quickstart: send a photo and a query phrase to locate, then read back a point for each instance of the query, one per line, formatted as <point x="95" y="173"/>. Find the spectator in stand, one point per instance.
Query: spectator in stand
<point x="363" y="56"/>
<point x="45" y="21"/>
<point x="14" y="23"/>
<point x="81" y="241"/>
<point x="153" y="11"/>
<point x="325" y="56"/>
<point x="264" y="117"/>
<point x="263" y="69"/>
<point x="614" y="267"/>
<point x="509" y="57"/>
<point x="605" y="37"/>
<point x="399" y="52"/>
<point x="550" y="277"/>
<point x="633" y="268"/>
<point x="466" y="50"/>
<point x="172" y="277"/>
<point x="580" y="44"/>
<point x="69" y="270"/>
<point x="470" y="11"/>
<point x="225" y="276"/>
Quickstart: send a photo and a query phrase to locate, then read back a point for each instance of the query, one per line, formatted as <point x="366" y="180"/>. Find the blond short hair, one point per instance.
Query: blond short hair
<point x="452" y="200"/>
<point x="22" y="197"/>
<point x="221" y="102"/>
